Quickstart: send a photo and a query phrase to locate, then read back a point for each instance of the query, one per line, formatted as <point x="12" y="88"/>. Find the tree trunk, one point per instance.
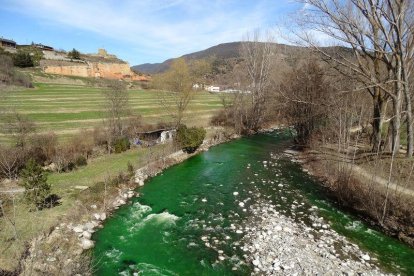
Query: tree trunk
<point x="396" y="124"/>
<point x="410" y="135"/>
<point x="378" y="120"/>
<point x="409" y="116"/>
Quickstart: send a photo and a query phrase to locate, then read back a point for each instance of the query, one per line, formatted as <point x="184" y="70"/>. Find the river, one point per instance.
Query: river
<point x="185" y="220"/>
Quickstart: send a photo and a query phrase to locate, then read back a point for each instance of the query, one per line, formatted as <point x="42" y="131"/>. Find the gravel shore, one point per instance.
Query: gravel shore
<point x="277" y="245"/>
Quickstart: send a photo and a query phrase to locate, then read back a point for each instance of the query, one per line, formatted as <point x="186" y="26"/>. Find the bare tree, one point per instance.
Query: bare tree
<point x="257" y="56"/>
<point x="11" y="160"/>
<point x="379" y="32"/>
<point x="116" y="108"/>
<point x="176" y="87"/>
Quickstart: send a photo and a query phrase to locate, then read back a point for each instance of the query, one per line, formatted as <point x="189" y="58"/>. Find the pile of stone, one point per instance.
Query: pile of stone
<point x="277" y="245"/>
<point x="123" y="198"/>
<point x="140" y="177"/>
<point x="85" y="231"/>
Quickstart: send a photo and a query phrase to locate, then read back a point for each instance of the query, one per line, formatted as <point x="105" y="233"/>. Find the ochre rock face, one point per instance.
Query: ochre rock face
<point x="95" y="70"/>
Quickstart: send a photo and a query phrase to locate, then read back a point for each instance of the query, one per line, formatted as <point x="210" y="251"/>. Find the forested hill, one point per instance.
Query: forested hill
<point x="221" y="51"/>
<point x="224" y="52"/>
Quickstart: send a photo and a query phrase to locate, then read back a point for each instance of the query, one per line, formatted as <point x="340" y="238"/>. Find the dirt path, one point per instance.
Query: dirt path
<point x="12" y="191"/>
<point x="356" y="169"/>
<point x="382" y="181"/>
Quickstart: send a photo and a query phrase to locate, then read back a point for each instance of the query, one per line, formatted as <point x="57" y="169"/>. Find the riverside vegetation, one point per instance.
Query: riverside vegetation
<point x="350" y="108"/>
<point x="68" y="129"/>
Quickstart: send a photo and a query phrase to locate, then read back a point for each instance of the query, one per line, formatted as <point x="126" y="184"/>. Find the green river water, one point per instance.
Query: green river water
<point x="186" y="214"/>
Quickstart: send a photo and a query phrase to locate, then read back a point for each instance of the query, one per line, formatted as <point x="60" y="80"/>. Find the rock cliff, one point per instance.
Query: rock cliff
<point x="101" y="65"/>
<point x="95" y="70"/>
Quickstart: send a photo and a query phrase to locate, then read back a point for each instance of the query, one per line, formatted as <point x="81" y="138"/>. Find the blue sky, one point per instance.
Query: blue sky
<point x="138" y="31"/>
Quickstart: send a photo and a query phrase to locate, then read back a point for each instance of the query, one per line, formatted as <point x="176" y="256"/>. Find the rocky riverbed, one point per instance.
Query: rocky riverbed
<point x="277" y="245"/>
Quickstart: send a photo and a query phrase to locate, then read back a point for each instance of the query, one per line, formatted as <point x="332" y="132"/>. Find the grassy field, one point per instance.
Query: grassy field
<point x="65" y="109"/>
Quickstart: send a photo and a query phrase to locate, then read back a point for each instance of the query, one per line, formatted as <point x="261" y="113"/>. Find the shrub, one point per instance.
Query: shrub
<point x="11" y="161"/>
<point x="81" y="144"/>
<point x="34" y="180"/>
<point x="74" y="54"/>
<point x="22" y="80"/>
<point x="23" y="59"/>
<point x="99" y="137"/>
<point x="81" y="161"/>
<point x="6" y="69"/>
<point x="130" y="169"/>
<point x="42" y="147"/>
<point x="221" y="118"/>
<point x="63" y="159"/>
<point x="190" y="139"/>
<point x="121" y="145"/>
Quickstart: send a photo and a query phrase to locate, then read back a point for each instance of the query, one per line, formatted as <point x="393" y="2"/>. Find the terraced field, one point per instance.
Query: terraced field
<point x="65" y="109"/>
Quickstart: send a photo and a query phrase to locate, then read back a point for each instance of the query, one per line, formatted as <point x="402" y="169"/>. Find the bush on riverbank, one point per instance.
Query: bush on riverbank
<point x="190" y="139"/>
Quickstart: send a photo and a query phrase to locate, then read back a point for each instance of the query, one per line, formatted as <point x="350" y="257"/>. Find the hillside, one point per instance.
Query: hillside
<point x="222" y="51"/>
<point x="230" y="53"/>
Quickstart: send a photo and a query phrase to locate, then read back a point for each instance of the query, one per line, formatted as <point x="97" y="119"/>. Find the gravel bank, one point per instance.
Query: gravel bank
<point x="277" y="245"/>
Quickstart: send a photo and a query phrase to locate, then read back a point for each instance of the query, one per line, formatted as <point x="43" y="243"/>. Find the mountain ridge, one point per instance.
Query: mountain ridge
<point x="228" y="51"/>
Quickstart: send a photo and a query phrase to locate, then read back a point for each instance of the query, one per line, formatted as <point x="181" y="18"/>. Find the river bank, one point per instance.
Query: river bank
<point x="69" y="243"/>
<point x="64" y="249"/>
<point x="362" y="192"/>
<point x="204" y="216"/>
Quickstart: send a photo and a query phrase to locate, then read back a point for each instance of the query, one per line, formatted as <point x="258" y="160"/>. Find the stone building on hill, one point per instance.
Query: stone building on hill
<point x="7" y="43"/>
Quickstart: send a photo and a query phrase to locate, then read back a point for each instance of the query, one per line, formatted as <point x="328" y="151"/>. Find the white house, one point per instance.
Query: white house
<point x="212" y="88"/>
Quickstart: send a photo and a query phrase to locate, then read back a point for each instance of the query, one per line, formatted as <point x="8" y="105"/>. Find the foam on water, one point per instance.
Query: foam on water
<point x="163" y="219"/>
<point x="138" y="211"/>
<point x="149" y="269"/>
<point x="113" y="254"/>
<point x="354" y="225"/>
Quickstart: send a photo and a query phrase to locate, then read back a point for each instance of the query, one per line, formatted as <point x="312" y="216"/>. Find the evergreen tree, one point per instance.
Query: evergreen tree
<point x="74" y="54"/>
<point x="34" y="179"/>
<point x="23" y="59"/>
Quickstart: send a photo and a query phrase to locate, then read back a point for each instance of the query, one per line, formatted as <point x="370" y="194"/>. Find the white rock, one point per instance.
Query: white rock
<point x="366" y="257"/>
<point x="86" y="235"/>
<point x="88" y="226"/>
<point x="51" y="259"/>
<point x="235" y="193"/>
<point x="77" y="229"/>
<point x="241" y="204"/>
<point x="86" y="244"/>
<point x="287" y="229"/>
<point x="121" y="201"/>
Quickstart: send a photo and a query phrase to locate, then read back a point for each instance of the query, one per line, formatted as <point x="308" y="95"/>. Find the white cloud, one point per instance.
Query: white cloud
<point x="172" y="27"/>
